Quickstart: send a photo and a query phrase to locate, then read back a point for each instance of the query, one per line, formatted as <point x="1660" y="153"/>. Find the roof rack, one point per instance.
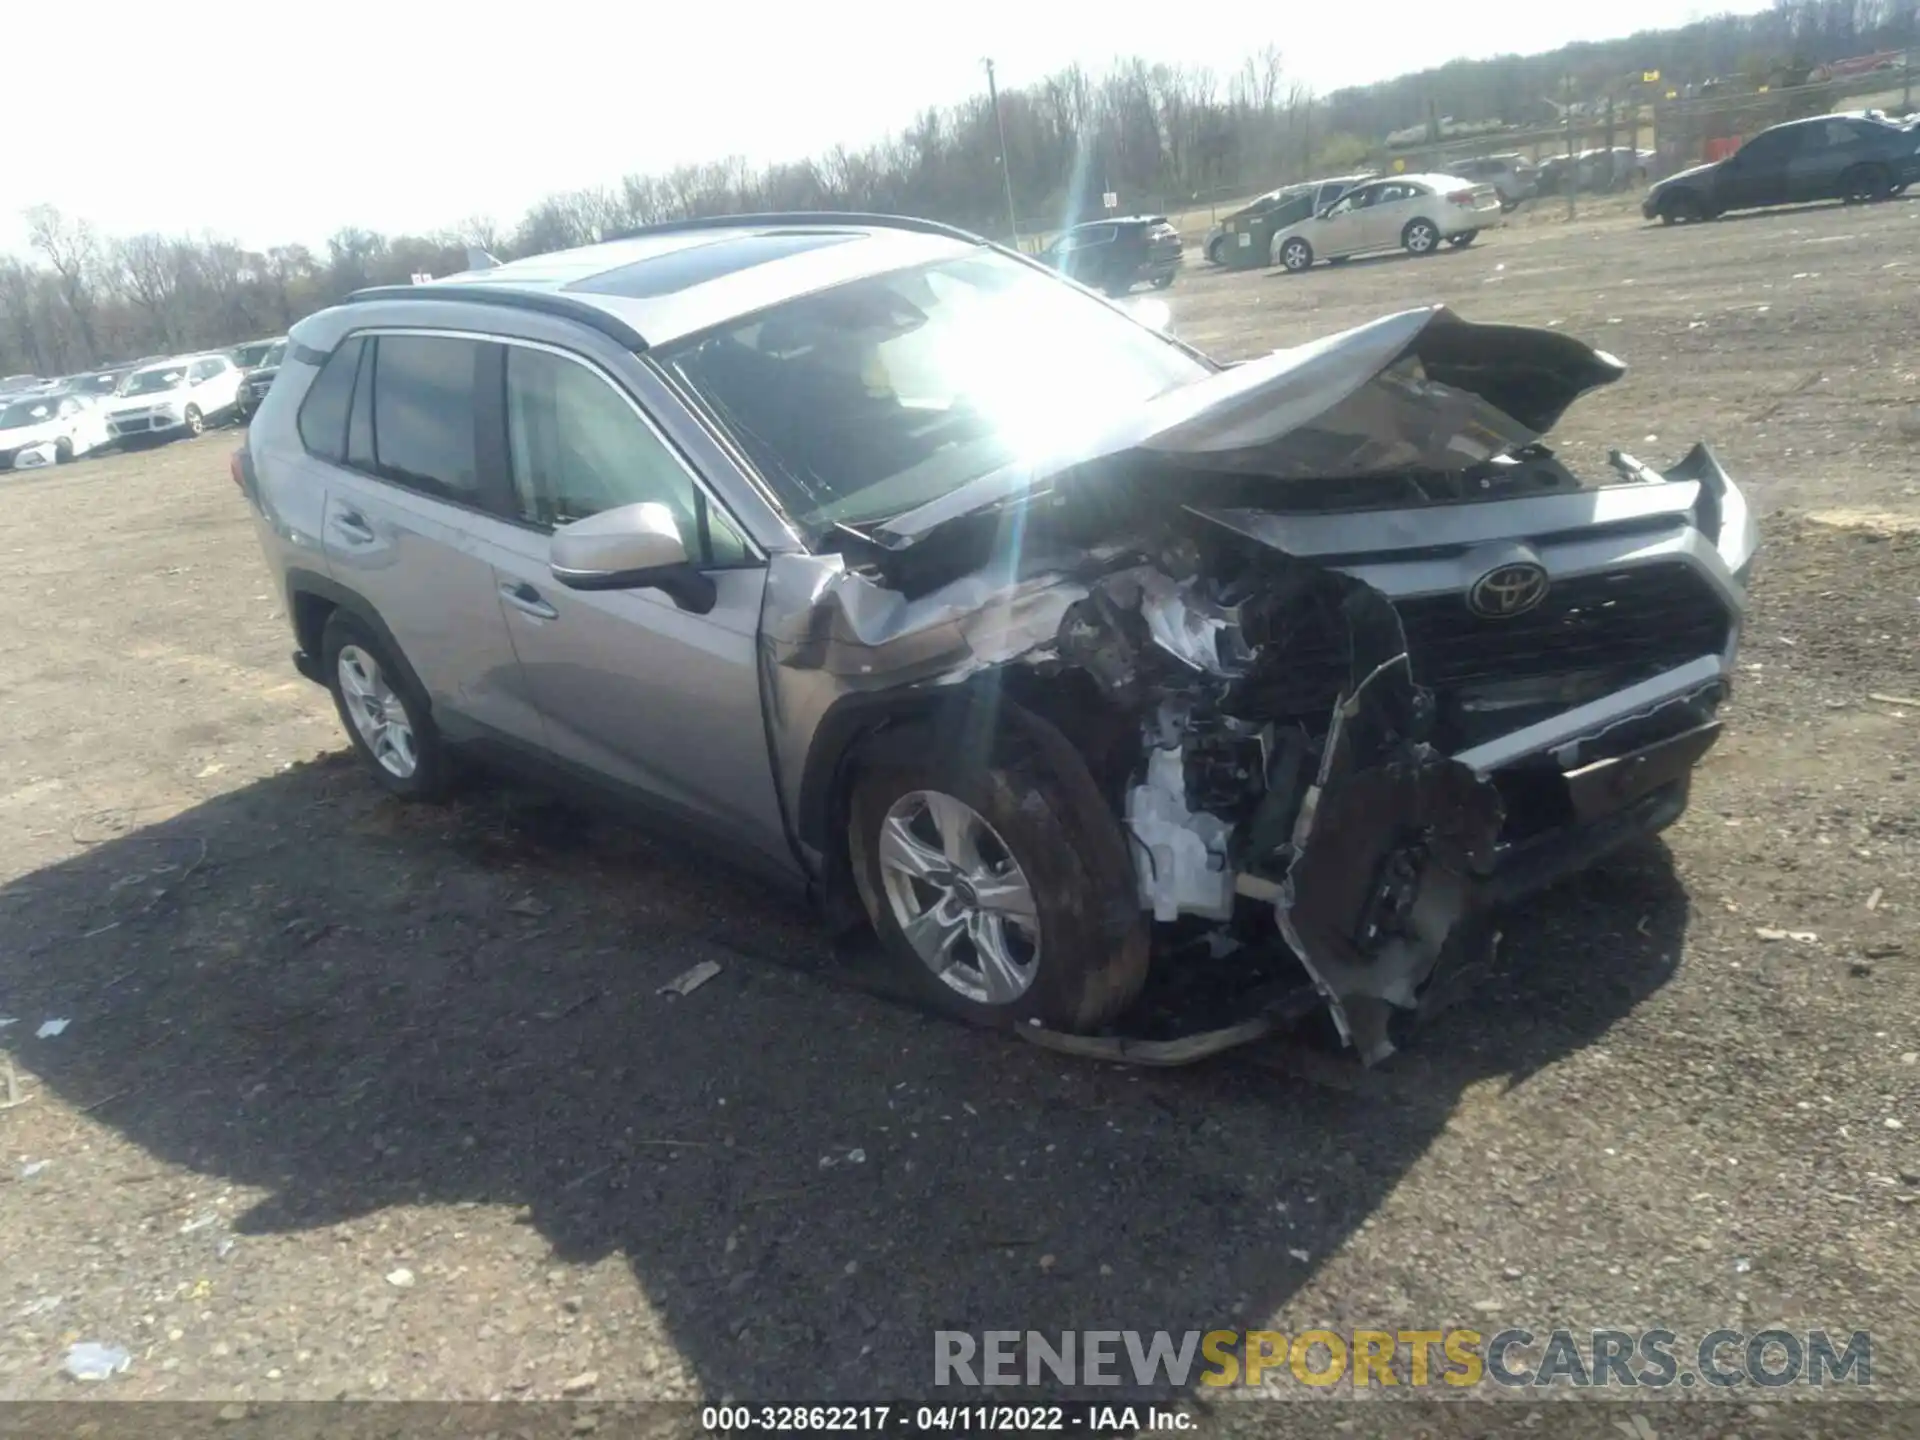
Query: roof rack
<point x="805" y="217"/>
<point x="544" y="302"/>
<point x="566" y="307"/>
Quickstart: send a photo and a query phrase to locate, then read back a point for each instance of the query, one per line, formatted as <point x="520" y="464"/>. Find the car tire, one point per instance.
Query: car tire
<point x="1296" y="256"/>
<point x="1864" y="184"/>
<point x="1161" y="282"/>
<point x="1065" y="944"/>
<point x="1464" y="239"/>
<point x="1682" y="207"/>
<point x="196" y="423"/>
<point x="63" y="451"/>
<point x="384" y="715"/>
<point x="1421" y="237"/>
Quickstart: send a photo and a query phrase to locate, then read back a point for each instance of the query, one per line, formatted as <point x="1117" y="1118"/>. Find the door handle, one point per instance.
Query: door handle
<point x="524" y="597"/>
<point x="353" y="525"/>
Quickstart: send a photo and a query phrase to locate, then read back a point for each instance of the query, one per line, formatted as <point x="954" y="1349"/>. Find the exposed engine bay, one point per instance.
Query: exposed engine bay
<point x="1342" y="642"/>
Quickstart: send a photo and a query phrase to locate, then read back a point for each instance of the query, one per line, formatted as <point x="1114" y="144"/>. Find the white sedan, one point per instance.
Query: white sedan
<point x="49" y="429"/>
<point x="1415" y="213"/>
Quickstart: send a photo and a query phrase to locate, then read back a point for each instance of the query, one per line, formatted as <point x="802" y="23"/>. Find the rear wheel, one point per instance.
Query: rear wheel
<point x="1864" y="184"/>
<point x="1296" y="255"/>
<point x="1421" y="237"/>
<point x="1004" y="892"/>
<point x="388" y="722"/>
<point x="1464" y="239"/>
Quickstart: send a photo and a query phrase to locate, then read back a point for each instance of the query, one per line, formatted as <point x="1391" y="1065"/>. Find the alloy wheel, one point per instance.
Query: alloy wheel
<point x="378" y="713"/>
<point x="959" y="897"/>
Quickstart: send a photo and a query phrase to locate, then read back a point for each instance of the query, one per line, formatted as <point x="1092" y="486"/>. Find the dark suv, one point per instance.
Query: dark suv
<point x="1856" y="158"/>
<point x="1115" y="255"/>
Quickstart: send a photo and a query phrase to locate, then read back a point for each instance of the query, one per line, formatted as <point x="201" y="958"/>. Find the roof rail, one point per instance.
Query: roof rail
<point x="805" y="217"/>
<point x="544" y="302"/>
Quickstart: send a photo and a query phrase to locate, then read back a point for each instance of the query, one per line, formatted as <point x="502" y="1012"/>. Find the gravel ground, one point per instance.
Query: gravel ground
<point x="373" y="1101"/>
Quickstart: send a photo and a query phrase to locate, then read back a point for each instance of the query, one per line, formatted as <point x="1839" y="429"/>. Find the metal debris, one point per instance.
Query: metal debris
<point x="689" y="981"/>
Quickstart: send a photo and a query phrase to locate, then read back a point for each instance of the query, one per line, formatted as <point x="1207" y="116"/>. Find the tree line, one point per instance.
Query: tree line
<point x="1158" y="136"/>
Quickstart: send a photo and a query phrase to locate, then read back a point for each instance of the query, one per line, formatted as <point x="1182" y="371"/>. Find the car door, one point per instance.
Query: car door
<point x="662" y="700"/>
<point x="1341" y="230"/>
<point x="410" y="527"/>
<point x="1827" y="151"/>
<point x="1392" y="205"/>
<point x="1756" y="174"/>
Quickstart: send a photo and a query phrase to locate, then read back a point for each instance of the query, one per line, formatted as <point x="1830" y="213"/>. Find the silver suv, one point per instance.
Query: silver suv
<point x="894" y="565"/>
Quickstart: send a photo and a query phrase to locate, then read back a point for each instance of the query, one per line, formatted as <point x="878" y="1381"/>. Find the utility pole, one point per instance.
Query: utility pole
<point x="1006" y="171"/>
<point x="1906" y="70"/>
<point x="1573" y="172"/>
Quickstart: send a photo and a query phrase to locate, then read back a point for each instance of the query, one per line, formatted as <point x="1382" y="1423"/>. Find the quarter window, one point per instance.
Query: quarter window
<point x="323" y="413"/>
<point x="423" y="414"/>
<point x="577" y="447"/>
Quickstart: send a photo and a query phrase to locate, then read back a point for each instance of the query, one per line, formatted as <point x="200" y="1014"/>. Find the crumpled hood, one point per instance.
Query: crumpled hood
<point x="1422" y="390"/>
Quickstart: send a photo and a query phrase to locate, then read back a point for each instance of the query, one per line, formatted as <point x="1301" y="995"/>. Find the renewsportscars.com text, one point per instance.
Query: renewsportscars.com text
<point x="1449" y="1357"/>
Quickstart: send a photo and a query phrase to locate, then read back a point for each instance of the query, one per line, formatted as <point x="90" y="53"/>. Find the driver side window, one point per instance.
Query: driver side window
<point x="577" y="446"/>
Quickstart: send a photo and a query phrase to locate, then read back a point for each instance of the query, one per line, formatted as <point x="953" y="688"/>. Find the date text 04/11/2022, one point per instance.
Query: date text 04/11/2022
<point x="1085" y="1419"/>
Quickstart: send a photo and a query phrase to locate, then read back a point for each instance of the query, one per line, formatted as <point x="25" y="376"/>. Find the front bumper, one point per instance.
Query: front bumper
<point x="146" y="425"/>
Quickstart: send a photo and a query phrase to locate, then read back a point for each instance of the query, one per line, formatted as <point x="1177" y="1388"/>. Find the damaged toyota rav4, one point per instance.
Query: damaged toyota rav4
<point x="886" y="561"/>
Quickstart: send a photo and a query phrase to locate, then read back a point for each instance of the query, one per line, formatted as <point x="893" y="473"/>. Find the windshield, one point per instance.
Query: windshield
<point x="26" y="412"/>
<point x="151" y="382"/>
<point x="864" y="401"/>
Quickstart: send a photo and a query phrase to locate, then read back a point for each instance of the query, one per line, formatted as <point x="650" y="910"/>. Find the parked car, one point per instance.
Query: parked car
<point x="1308" y="198"/>
<point x="181" y="396"/>
<point x="100" y="384"/>
<point x="249" y="355"/>
<point x="253" y="389"/>
<point x="49" y="429"/>
<point x="1115" y="255"/>
<point x="14" y="384"/>
<point x="1829" y="157"/>
<point x="1411" y="212"/>
<point x="877" y="559"/>
<point x="1515" y="178"/>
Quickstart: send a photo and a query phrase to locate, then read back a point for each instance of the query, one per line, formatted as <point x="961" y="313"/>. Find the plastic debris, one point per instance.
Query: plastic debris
<point x="90" y="1360"/>
<point x="50" y="1028"/>
<point x="689" y="981"/>
<point x="529" y="905"/>
<point x="32" y="1168"/>
<point x="401" y="1279"/>
<point x="6" y="1020"/>
<point x="856" y="1157"/>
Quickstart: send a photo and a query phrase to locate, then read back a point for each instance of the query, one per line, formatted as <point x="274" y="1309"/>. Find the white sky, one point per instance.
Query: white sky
<point x="270" y="122"/>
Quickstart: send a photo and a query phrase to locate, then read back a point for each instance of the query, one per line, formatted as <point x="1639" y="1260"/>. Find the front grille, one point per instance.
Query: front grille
<point x="1648" y="618"/>
<point x="1620" y="626"/>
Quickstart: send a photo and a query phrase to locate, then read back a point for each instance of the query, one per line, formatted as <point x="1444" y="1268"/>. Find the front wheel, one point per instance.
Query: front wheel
<point x="1296" y="255"/>
<point x="62" y="451"/>
<point x="1421" y="237"/>
<point x="1004" y="892"/>
<point x="196" y="422"/>
<point x="1681" y="208"/>
<point x="1161" y="282"/>
<point x="1461" y="241"/>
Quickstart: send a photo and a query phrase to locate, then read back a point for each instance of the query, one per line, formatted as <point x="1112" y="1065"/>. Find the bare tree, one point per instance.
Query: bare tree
<point x="74" y="253"/>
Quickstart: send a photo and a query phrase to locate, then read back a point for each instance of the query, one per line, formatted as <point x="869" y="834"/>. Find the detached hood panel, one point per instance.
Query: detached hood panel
<point x="1421" y="391"/>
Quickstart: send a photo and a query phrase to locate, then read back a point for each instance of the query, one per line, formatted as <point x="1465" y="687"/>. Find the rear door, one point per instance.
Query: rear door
<point x="1395" y="202"/>
<point x="412" y="528"/>
<point x="663" y="701"/>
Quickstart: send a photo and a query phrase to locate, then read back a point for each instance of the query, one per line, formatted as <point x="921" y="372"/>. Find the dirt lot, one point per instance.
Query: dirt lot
<point x="365" y="1100"/>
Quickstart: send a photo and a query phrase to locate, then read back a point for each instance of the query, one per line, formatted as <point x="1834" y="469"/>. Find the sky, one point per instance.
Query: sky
<point x="270" y="123"/>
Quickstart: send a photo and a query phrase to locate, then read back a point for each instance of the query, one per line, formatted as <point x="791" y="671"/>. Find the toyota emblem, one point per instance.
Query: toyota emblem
<point x="1508" y="590"/>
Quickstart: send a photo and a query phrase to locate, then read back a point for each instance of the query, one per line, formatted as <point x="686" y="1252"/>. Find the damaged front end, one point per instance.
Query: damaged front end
<point x="1362" y="655"/>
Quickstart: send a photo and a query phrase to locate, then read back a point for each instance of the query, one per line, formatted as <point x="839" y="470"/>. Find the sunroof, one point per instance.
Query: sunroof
<point x="696" y="264"/>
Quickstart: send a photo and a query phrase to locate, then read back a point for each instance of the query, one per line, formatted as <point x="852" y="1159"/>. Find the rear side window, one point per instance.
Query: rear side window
<point x="423" y="414"/>
<point x="323" y="413"/>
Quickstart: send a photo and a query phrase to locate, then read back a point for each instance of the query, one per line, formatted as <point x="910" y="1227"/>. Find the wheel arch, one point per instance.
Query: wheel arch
<point x="312" y="600"/>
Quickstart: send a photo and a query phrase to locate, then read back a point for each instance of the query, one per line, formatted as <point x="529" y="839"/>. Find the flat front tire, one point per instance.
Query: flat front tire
<point x="1003" y="891"/>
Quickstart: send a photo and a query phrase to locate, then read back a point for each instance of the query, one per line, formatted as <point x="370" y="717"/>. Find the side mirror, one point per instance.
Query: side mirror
<point x="633" y="547"/>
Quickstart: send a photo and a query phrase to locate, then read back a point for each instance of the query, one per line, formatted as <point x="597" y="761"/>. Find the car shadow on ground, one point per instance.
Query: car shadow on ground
<point x="1783" y="212"/>
<point x="305" y="987"/>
